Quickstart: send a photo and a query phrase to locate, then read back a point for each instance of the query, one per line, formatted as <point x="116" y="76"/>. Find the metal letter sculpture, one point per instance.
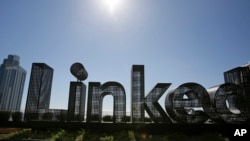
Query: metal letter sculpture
<point x="229" y="103"/>
<point x="95" y="99"/>
<point x="77" y="93"/>
<point x="189" y="103"/>
<point x="78" y="70"/>
<point x="152" y="106"/>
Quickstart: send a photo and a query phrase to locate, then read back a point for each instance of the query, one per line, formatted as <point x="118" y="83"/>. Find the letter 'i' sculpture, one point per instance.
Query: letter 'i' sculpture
<point x="77" y="93"/>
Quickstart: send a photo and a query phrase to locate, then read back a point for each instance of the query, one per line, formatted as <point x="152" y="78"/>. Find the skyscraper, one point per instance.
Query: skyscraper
<point x="240" y="76"/>
<point x="38" y="98"/>
<point x="12" y="78"/>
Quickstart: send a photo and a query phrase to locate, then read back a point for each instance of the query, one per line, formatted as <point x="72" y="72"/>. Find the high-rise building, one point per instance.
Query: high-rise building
<point x="12" y="79"/>
<point x="240" y="76"/>
<point x="39" y="91"/>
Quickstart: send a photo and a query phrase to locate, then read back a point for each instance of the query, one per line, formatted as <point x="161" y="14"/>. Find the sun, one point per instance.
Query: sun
<point x="112" y="5"/>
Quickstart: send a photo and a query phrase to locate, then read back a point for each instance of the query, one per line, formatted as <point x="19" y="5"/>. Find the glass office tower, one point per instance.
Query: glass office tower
<point x="12" y="79"/>
<point x="240" y="76"/>
<point x="38" y="98"/>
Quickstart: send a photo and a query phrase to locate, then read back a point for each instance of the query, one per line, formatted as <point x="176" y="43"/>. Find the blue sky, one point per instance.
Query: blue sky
<point x="178" y="41"/>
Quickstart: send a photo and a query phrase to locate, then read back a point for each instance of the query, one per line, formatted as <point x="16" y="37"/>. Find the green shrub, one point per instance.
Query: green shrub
<point x="58" y="135"/>
<point x="62" y="117"/>
<point x="80" y="135"/>
<point x="4" y="115"/>
<point x="107" y="138"/>
<point x="17" y="116"/>
<point x="31" y="134"/>
<point x="107" y="118"/>
<point x="47" y="116"/>
<point x="131" y="135"/>
<point x="31" y="116"/>
<point x="126" y="119"/>
<point x="148" y="119"/>
<point x="95" y="117"/>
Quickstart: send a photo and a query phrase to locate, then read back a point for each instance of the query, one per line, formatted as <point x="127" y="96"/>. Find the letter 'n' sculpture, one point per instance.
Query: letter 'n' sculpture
<point x="77" y="93"/>
<point x="96" y="93"/>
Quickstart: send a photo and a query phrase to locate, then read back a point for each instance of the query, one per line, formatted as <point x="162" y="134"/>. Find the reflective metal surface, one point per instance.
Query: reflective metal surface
<point x="78" y="70"/>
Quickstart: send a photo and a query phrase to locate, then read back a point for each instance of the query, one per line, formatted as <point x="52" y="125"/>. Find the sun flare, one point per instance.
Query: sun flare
<point x="112" y="5"/>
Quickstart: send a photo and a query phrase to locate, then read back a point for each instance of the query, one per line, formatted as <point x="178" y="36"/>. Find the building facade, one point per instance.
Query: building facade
<point x="12" y="79"/>
<point x="39" y="91"/>
<point x="240" y="76"/>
